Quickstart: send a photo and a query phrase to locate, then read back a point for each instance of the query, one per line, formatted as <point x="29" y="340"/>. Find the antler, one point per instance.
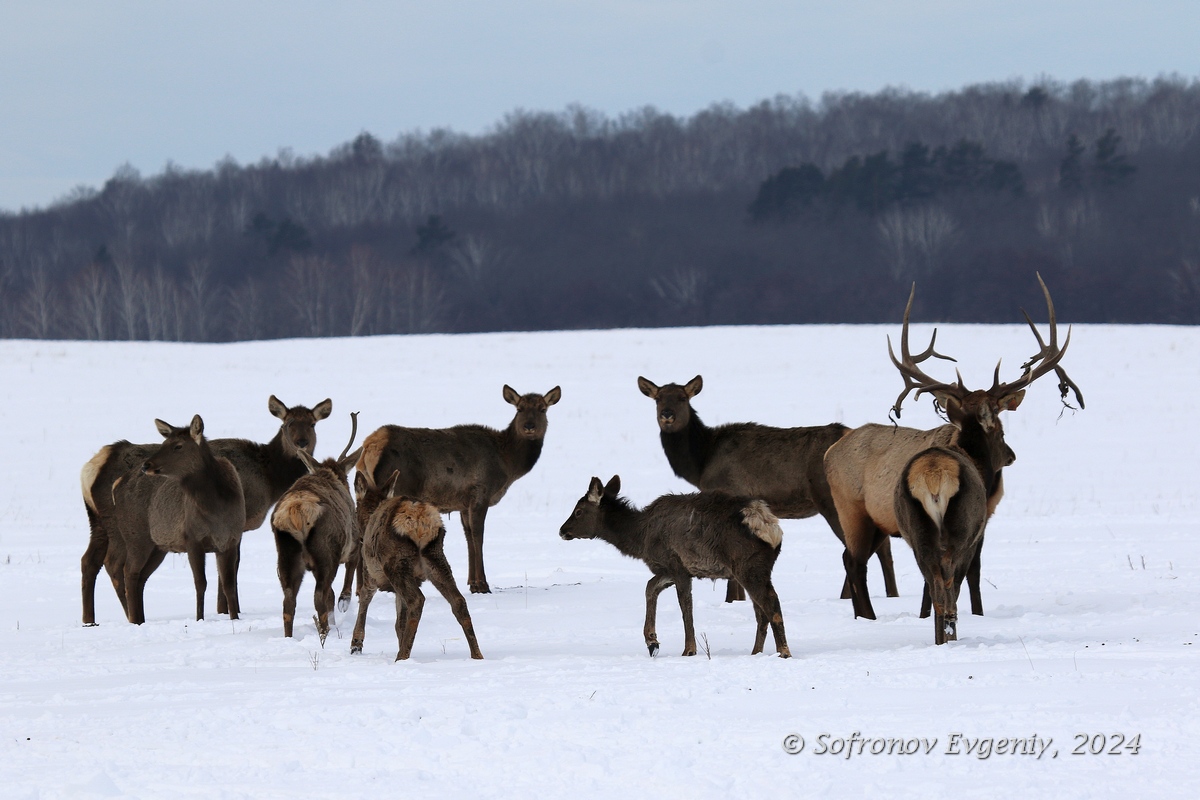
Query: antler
<point x="1045" y="360"/>
<point x="914" y="377"/>
<point x="353" y="433"/>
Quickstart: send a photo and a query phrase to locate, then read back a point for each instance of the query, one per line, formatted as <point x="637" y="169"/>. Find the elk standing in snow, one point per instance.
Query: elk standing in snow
<point x="316" y="530"/>
<point x="467" y="468"/>
<point x="182" y="499"/>
<point x="685" y="536"/>
<point x="402" y="546"/>
<point x="782" y="466"/>
<point x="265" y="471"/>
<point x="875" y="467"/>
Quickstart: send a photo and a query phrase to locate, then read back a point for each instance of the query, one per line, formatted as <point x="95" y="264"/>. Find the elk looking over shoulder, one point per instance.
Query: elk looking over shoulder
<point x="467" y="468"/>
<point x="782" y="466"/>
<point x="869" y="467"/>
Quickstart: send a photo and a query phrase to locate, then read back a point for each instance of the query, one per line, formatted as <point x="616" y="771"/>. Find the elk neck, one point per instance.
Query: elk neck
<point x="210" y="481"/>
<point x="621" y="526"/>
<point x="280" y="468"/>
<point x="688" y="450"/>
<point x="520" y="452"/>
<point x="984" y="449"/>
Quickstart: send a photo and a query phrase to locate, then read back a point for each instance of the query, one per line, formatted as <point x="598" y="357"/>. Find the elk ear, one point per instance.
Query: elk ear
<point x="391" y="484"/>
<point x="614" y="486"/>
<point x="362" y="485"/>
<point x="694" y="386"/>
<point x="510" y="395"/>
<point x="595" y="490"/>
<point x="323" y="409"/>
<point x="553" y="396"/>
<point x="649" y="389"/>
<point x="951" y="406"/>
<point x="309" y="462"/>
<point x="163" y="428"/>
<point x="277" y="408"/>
<point x="1010" y="401"/>
<point x="196" y="430"/>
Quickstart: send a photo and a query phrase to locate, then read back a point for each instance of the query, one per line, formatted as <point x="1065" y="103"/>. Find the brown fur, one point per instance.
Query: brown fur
<point x="402" y="547"/>
<point x="264" y="470"/>
<point x="685" y="536"/>
<point x="933" y="478"/>
<point x="467" y="468"/>
<point x="296" y="513"/>
<point x="783" y="466"/>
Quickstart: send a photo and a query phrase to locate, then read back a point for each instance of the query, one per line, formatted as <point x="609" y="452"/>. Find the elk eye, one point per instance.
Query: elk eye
<point x="178" y="446"/>
<point x="579" y="512"/>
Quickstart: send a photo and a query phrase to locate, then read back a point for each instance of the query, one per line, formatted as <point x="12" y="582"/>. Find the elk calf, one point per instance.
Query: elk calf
<point x="467" y="468"/>
<point x="316" y="530"/>
<point x="782" y="466"/>
<point x="685" y="536"/>
<point x="182" y="499"/>
<point x="941" y="510"/>
<point x="402" y="546"/>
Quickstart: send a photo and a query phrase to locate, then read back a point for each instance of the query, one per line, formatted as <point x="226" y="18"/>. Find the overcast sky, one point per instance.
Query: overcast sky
<point x="88" y="86"/>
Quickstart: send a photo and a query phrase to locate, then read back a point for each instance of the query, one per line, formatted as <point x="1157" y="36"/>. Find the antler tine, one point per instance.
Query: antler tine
<point x="1046" y="359"/>
<point x="914" y="377"/>
<point x="353" y="433"/>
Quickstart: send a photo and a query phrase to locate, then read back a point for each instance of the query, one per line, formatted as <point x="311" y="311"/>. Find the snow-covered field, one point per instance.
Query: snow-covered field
<point x="1092" y="588"/>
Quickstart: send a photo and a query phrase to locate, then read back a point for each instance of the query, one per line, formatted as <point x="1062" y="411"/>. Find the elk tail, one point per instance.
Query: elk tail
<point x="296" y="514"/>
<point x="933" y="479"/>
<point x="89" y="474"/>
<point x="762" y="523"/>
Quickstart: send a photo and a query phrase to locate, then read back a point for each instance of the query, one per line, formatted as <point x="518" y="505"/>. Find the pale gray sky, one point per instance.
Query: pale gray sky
<point x="88" y="86"/>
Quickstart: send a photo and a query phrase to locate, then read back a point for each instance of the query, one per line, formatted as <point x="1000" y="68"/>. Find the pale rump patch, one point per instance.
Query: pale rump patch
<point x="762" y="523"/>
<point x="372" y="450"/>
<point x="419" y="521"/>
<point x="87" y="476"/>
<point x="932" y="480"/>
<point x="296" y="514"/>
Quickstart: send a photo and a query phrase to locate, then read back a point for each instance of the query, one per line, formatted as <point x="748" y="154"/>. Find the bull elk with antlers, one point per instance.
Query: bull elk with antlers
<point x="935" y="488"/>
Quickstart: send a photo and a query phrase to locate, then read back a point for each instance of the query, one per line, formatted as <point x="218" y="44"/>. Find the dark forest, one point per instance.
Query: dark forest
<point x="791" y="211"/>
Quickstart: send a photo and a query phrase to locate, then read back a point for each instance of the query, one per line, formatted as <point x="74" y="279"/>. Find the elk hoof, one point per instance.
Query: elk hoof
<point x="689" y="652"/>
<point x="343" y="604"/>
<point x="481" y="587"/>
<point x="355" y="648"/>
<point x="653" y="648"/>
<point x="91" y="624"/>
<point x="785" y="652"/>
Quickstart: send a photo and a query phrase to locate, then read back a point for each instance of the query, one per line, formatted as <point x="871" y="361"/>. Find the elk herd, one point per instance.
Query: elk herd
<point x="935" y="489"/>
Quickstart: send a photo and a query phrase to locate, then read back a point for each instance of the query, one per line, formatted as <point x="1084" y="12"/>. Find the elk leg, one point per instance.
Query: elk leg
<point x="222" y="600"/>
<point x="138" y="567"/>
<point x="862" y="540"/>
<point x="323" y="599"/>
<point x="973" y="582"/>
<point x="343" y="602"/>
<point x="884" y="554"/>
<point x="734" y="591"/>
<point x="227" y="561"/>
<point x="760" y="629"/>
<point x="765" y="598"/>
<point x="683" y="590"/>
<point x="89" y="568"/>
<point x="406" y="628"/>
<point x="196" y="561"/>
<point x="366" y="591"/>
<point x="654" y="588"/>
<point x="438" y="571"/>
<point x="926" y="601"/>
<point x="290" y="568"/>
<point x="476" y="577"/>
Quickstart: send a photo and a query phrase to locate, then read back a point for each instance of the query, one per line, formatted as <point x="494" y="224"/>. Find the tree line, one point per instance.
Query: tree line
<point x="793" y="210"/>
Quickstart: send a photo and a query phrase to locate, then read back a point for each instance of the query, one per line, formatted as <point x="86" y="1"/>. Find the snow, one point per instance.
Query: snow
<point x="1091" y="590"/>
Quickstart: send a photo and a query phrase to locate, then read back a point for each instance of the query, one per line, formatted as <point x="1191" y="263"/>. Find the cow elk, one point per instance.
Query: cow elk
<point x="265" y="470"/>
<point x="685" y="536"/>
<point x="782" y="466"/>
<point x="182" y="499"/>
<point x="402" y="546"/>
<point x="316" y="530"/>
<point x="467" y="468"/>
<point x="925" y="485"/>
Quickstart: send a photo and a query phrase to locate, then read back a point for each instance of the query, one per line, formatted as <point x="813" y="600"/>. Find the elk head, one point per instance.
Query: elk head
<point x="180" y="453"/>
<point x="368" y="496"/>
<point x="672" y="402"/>
<point x="530" y="421"/>
<point x="584" y="522"/>
<point x="977" y="412"/>
<point x="299" y="429"/>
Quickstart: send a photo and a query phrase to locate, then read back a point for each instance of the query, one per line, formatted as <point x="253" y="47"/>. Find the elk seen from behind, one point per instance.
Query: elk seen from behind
<point x="402" y="546"/>
<point x="685" y="536"/>
<point x="467" y="468"/>
<point x="315" y="530"/>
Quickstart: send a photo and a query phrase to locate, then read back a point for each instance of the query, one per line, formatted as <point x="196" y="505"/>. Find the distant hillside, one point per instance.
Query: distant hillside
<point x="789" y="211"/>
